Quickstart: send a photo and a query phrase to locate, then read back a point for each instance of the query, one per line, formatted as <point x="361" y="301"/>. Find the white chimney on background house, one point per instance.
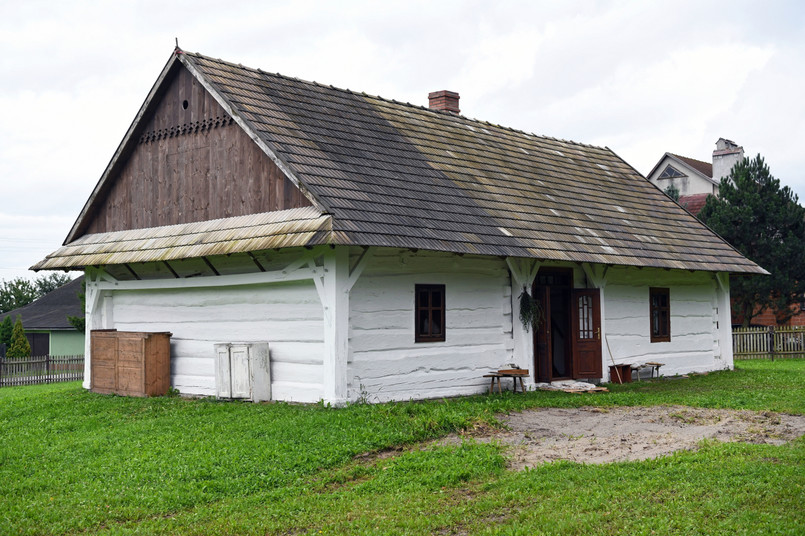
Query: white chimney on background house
<point x="727" y="154"/>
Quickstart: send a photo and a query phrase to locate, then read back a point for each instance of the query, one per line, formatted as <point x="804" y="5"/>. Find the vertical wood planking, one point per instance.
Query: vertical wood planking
<point x="206" y="172"/>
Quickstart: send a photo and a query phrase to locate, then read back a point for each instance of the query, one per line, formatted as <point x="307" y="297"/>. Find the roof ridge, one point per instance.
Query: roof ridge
<point x="396" y="102"/>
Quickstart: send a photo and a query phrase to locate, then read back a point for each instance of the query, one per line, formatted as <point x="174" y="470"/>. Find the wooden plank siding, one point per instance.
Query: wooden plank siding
<point x="768" y="342"/>
<point x="191" y="164"/>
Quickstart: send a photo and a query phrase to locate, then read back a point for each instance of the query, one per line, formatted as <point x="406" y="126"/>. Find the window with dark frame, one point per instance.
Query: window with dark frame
<point x="429" y="321"/>
<point x="660" y="305"/>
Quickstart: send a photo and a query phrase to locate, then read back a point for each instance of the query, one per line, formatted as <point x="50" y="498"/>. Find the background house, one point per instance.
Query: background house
<point x="379" y="250"/>
<point x="45" y="321"/>
<point x="696" y="179"/>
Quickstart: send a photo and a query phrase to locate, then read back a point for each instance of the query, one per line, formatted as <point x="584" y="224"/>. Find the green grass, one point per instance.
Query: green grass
<point x="76" y="462"/>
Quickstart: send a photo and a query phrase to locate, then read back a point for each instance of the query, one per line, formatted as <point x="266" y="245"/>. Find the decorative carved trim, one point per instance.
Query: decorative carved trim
<point x="187" y="128"/>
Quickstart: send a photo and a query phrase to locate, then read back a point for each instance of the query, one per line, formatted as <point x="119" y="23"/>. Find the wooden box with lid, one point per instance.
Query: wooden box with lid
<point x="130" y="363"/>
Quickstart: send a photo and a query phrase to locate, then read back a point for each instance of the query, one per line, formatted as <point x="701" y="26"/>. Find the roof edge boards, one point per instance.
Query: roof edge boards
<point x="123" y="146"/>
<point x="249" y="129"/>
<point x="696" y="171"/>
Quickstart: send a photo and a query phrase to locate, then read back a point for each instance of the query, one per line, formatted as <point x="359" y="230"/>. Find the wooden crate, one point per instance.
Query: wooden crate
<point x="130" y="363"/>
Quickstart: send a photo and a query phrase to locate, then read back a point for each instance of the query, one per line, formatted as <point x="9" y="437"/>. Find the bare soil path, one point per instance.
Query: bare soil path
<point x="603" y="435"/>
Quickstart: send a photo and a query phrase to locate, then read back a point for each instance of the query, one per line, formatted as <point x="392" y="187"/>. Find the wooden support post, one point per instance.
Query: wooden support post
<point x="523" y="272"/>
<point x="335" y="300"/>
<point x="724" y="326"/>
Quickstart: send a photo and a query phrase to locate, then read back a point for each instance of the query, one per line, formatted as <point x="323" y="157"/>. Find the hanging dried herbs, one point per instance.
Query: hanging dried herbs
<point x="531" y="313"/>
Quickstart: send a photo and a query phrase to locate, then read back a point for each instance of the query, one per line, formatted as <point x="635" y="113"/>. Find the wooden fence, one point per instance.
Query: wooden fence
<point x="36" y="370"/>
<point x="772" y="342"/>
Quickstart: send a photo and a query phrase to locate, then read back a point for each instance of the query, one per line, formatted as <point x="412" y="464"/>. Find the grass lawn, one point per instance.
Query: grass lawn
<point x="76" y="462"/>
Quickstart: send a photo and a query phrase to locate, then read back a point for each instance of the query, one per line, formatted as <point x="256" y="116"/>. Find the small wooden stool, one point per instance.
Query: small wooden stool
<point x="514" y="374"/>
<point x="654" y="367"/>
<point x="495" y="378"/>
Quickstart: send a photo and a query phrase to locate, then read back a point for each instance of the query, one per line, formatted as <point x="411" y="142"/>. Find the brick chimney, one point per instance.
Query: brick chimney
<point x="727" y="154"/>
<point x="444" y="101"/>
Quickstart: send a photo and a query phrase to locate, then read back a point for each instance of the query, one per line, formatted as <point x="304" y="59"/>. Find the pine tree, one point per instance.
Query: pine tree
<point x="6" y="329"/>
<point x="19" y="342"/>
<point x="765" y="223"/>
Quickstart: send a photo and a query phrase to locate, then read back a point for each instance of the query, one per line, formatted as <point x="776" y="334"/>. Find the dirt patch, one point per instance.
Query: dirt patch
<point x="603" y="435"/>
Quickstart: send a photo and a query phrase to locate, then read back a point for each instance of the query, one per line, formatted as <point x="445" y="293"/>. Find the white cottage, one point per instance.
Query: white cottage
<point x="378" y="250"/>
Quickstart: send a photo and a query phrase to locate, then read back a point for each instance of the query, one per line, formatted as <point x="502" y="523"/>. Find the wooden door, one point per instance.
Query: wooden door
<point x="542" y="336"/>
<point x="586" y="342"/>
<point x="240" y="370"/>
<point x="223" y="376"/>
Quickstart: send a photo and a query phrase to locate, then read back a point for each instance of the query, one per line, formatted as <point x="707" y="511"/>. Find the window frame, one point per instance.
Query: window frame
<point x="672" y="174"/>
<point x="659" y="309"/>
<point x="420" y="336"/>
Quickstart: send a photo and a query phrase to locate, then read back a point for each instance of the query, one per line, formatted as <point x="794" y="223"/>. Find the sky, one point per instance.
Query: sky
<point x="642" y="78"/>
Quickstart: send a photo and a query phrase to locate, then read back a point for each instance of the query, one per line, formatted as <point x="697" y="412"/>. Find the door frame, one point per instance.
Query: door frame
<point x="543" y="353"/>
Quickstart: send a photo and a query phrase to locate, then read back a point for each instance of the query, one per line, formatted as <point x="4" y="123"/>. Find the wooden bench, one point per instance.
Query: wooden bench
<point x="515" y="374"/>
<point x="652" y="365"/>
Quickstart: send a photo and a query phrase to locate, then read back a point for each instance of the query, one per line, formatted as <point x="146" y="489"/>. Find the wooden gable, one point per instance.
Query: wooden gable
<point x="188" y="162"/>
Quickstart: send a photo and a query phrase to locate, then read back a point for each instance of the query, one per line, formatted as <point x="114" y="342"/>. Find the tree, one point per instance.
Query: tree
<point x="672" y="192"/>
<point x="765" y="223"/>
<point x="16" y="293"/>
<point x="6" y="329"/>
<point x="19" y="342"/>
<point x="79" y="322"/>
<point x="19" y="292"/>
<point x="50" y="282"/>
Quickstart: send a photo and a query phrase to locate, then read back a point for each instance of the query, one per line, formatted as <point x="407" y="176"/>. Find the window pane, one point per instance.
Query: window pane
<point x="423" y="325"/>
<point x="660" y="314"/>
<point x="436" y="299"/>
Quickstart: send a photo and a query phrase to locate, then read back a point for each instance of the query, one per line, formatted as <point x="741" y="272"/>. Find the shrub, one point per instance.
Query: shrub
<point x="19" y="342"/>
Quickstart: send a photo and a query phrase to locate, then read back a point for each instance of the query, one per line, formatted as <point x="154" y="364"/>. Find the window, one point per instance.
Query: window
<point x="670" y="172"/>
<point x="660" y="305"/>
<point x="429" y="321"/>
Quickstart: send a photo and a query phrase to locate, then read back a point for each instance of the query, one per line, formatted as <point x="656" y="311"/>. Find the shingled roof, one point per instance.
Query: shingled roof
<point x="397" y="175"/>
<point x="705" y="168"/>
<point x="50" y="312"/>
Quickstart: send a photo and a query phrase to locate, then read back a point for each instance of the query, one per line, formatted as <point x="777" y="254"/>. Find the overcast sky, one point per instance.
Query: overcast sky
<point x="641" y="78"/>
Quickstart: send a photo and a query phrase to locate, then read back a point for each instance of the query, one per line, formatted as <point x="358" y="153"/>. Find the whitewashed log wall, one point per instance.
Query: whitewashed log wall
<point x="384" y="361"/>
<point x="289" y="316"/>
<point x="700" y="325"/>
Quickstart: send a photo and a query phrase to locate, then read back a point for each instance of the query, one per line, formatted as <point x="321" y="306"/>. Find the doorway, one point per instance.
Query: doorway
<point x="567" y="345"/>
